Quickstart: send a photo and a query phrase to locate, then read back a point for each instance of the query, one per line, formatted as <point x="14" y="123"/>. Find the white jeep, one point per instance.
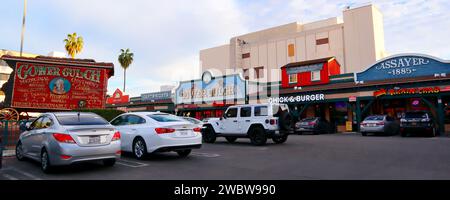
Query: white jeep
<point x="257" y="122"/>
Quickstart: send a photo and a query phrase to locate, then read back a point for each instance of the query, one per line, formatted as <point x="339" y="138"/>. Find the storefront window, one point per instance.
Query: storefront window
<point x="292" y="78"/>
<point x="315" y="76"/>
<point x="340" y="114"/>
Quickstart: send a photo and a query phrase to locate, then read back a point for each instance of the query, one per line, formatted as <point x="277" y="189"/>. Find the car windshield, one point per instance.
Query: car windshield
<point x="82" y="119"/>
<point x="375" y="118"/>
<point x="192" y="120"/>
<point x="309" y="119"/>
<point x="416" y="115"/>
<point x="165" y="118"/>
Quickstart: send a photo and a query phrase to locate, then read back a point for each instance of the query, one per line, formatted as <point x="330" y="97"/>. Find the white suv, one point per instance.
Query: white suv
<point x="257" y="122"/>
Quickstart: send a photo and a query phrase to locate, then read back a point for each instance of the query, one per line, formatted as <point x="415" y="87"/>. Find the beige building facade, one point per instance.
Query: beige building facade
<point x="356" y="40"/>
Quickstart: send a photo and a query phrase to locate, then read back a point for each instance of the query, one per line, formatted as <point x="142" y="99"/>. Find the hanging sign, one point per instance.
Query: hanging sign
<point x="404" y="66"/>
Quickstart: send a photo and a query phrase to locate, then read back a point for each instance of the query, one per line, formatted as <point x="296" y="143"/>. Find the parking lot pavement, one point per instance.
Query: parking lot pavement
<point x="312" y="157"/>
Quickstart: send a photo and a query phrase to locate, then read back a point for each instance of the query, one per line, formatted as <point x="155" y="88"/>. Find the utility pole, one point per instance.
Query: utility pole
<point x="23" y="26"/>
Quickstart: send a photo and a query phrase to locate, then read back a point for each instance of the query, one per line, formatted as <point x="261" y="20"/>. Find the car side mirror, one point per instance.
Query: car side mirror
<point x="28" y="126"/>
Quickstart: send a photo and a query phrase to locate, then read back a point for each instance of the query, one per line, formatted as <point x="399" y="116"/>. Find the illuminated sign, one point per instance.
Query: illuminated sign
<point x="298" y="99"/>
<point x="405" y="91"/>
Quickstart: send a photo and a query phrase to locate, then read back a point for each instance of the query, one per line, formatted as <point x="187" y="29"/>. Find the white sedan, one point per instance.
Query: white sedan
<point x="148" y="132"/>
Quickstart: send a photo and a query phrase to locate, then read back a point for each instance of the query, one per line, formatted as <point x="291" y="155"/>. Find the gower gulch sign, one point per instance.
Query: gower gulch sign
<point x="46" y="86"/>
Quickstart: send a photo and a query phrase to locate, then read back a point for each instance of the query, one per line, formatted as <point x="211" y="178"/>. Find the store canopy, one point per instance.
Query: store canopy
<point x="306" y="66"/>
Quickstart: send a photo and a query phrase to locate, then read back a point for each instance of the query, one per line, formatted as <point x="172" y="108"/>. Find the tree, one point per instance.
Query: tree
<point x="74" y="44"/>
<point x="125" y="60"/>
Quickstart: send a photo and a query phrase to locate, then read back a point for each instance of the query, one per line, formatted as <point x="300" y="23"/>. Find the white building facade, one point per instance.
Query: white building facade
<point x="356" y="41"/>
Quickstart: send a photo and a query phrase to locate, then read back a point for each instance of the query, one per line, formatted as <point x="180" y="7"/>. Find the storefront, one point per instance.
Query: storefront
<point x="391" y="86"/>
<point x="155" y="101"/>
<point x="209" y="96"/>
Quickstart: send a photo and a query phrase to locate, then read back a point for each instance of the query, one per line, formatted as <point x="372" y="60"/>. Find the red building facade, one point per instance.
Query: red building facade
<point x="308" y="73"/>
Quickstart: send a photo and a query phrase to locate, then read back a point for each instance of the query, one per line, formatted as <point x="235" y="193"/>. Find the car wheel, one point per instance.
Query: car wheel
<point x="109" y="162"/>
<point x="184" y="153"/>
<point x="45" y="162"/>
<point x="280" y="139"/>
<point x="19" y="152"/>
<point x="208" y="135"/>
<point x="258" y="136"/>
<point x="139" y="148"/>
<point x="231" y="139"/>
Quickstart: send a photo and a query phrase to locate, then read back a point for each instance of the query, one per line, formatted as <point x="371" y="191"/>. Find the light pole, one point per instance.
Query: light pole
<point x="23" y="26"/>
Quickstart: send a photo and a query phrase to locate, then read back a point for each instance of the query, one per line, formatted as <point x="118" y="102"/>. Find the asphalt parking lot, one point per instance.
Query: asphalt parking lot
<point x="311" y="157"/>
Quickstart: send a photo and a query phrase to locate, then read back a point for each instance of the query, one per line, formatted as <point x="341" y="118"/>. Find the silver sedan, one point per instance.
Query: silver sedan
<point x="379" y="124"/>
<point x="64" y="138"/>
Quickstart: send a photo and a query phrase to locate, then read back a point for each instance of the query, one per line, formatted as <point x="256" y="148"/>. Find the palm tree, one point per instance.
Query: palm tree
<point x="74" y="44"/>
<point x="125" y="60"/>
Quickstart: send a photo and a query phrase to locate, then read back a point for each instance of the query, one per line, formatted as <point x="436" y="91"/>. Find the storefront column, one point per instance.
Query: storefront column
<point x="358" y="113"/>
<point x="441" y="115"/>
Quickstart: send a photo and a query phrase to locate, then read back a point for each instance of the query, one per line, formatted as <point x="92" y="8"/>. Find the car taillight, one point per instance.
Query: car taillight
<point x="116" y="136"/>
<point x="312" y="123"/>
<point x="363" y="124"/>
<point x="164" y="130"/>
<point x="197" y="129"/>
<point x="380" y="123"/>
<point x="64" y="138"/>
<point x="273" y="121"/>
<point x="65" y="157"/>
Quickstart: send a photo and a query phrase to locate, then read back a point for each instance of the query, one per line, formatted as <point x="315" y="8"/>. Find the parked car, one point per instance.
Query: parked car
<point x="148" y="132"/>
<point x="417" y="122"/>
<point x="379" y="124"/>
<point x="64" y="138"/>
<point x="257" y="122"/>
<point x="315" y="125"/>
<point x="194" y="121"/>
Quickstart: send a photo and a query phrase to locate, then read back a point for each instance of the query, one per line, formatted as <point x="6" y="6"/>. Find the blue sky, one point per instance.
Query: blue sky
<point x="166" y="36"/>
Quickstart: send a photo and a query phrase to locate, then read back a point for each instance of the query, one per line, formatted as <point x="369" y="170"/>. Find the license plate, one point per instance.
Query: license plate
<point x="371" y="125"/>
<point x="183" y="133"/>
<point x="414" y="123"/>
<point x="94" y="140"/>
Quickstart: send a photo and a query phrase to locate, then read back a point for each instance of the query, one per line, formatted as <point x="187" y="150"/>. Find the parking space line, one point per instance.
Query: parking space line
<point x="208" y="155"/>
<point x="26" y="174"/>
<point x="131" y="163"/>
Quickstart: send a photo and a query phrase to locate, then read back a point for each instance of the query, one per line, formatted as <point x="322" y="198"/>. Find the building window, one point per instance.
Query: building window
<point x="259" y="72"/>
<point x="245" y="55"/>
<point x="291" y="50"/>
<point x="322" y="41"/>
<point x="245" y="74"/>
<point x="292" y="78"/>
<point x="315" y="76"/>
